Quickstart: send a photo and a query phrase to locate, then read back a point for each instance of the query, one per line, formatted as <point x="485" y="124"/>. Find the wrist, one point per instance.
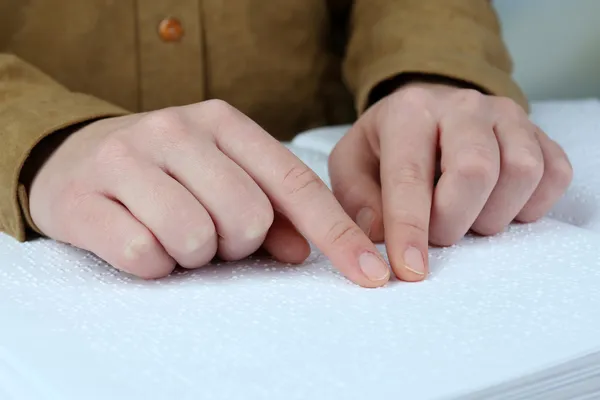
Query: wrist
<point x="401" y="81"/>
<point x="42" y="152"/>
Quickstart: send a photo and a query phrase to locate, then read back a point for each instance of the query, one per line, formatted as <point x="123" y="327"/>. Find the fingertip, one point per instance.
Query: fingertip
<point x="412" y="267"/>
<point x="285" y="243"/>
<point x="444" y="239"/>
<point x="354" y="173"/>
<point x="487" y="229"/>
<point x="370" y="223"/>
<point x="529" y="216"/>
<point x="365" y="219"/>
<point x="292" y="253"/>
<point x="154" y="274"/>
<point x="374" y="269"/>
<point x="354" y="255"/>
<point x="412" y="276"/>
<point x="302" y="252"/>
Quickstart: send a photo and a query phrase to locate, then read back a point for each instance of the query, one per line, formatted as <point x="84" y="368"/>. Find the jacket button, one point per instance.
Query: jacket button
<point x="170" y="30"/>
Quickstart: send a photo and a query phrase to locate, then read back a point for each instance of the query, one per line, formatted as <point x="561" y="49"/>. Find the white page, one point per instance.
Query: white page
<point x="492" y="310"/>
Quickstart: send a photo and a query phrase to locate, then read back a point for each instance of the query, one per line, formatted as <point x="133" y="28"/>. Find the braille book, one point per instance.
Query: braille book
<point x="514" y="316"/>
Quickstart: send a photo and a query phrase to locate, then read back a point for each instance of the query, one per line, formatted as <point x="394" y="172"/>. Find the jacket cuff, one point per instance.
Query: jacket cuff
<point x="25" y="121"/>
<point x="489" y="79"/>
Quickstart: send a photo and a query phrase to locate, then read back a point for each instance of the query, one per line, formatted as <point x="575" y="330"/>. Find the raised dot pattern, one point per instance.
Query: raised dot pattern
<point x="493" y="308"/>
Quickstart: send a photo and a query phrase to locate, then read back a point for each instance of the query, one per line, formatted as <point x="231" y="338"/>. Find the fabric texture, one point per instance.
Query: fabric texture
<point x="291" y="67"/>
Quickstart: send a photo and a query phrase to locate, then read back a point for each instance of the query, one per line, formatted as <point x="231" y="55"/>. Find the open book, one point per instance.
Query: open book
<point x="508" y="317"/>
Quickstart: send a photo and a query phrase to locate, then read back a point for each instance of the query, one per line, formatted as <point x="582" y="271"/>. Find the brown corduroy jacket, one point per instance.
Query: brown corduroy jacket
<point x="290" y="65"/>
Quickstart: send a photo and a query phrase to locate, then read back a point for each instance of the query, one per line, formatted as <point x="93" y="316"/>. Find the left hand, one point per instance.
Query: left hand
<point x="496" y="166"/>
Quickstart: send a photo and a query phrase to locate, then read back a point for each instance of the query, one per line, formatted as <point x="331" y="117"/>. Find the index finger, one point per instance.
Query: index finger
<point x="408" y="152"/>
<point x="299" y="194"/>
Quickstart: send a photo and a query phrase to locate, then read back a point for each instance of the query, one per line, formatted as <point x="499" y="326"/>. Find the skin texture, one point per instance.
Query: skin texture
<point x="496" y="166"/>
<point x="180" y="185"/>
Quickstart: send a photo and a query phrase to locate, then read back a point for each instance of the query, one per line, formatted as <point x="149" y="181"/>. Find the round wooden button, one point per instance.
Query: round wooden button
<point x="170" y="30"/>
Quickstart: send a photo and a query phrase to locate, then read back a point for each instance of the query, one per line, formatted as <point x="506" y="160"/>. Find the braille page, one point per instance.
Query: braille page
<point x="493" y="310"/>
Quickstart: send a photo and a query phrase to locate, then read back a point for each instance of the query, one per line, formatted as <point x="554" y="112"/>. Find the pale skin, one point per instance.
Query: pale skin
<point x="179" y="186"/>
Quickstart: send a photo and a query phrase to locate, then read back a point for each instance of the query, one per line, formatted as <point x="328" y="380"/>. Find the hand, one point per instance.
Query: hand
<point x="179" y="185"/>
<point x="496" y="166"/>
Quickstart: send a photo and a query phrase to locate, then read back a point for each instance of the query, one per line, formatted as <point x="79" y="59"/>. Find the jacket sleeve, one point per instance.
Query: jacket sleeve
<point x="458" y="40"/>
<point x="32" y="106"/>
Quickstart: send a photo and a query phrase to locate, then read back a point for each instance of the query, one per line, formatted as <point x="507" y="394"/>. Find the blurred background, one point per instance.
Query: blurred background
<point x="555" y="45"/>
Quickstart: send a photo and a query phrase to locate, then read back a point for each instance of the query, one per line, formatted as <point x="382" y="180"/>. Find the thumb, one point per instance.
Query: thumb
<point x="354" y="175"/>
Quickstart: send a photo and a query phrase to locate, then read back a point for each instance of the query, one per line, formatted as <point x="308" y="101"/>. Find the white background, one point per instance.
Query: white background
<point x="555" y="45"/>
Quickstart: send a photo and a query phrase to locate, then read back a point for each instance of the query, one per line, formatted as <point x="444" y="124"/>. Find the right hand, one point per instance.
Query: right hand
<point x="149" y="191"/>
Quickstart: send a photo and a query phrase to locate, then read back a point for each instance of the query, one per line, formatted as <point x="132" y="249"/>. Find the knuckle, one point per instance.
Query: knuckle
<point x="416" y="96"/>
<point x="198" y="233"/>
<point x="137" y="246"/>
<point x="509" y="108"/>
<point x="72" y="197"/>
<point x="301" y="180"/>
<point x="134" y="256"/>
<point x="470" y="99"/>
<point x="70" y="205"/>
<point x="220" y="116"/>
<point x="218" y="109"/>
<point x="406" y="219"/>
<point x="560" y="172"/>
<point x="162" y="119"/>
<point x="167" y="123"/>
<point x="415" y="101"/>
<point x="113" y="150"/>
<point x="341" y="233"/>
<point x="478" y="164"/>
<point x="408" y="174"/>
<point x="257" y="221"/>
<point x="526" y="164"/>
<point x="198" y="247"/>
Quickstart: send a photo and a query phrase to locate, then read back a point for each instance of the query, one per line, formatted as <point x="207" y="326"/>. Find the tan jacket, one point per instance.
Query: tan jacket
<point x="289" y="64"/>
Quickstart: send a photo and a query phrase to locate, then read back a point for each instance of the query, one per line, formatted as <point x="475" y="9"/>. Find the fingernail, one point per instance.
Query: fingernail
<point x="365" y="219"/>
<point x="136" y="247"/>
<point x="413" y="261"/>
<point x="198" y="238"/>
<point x="373" y="267"/>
